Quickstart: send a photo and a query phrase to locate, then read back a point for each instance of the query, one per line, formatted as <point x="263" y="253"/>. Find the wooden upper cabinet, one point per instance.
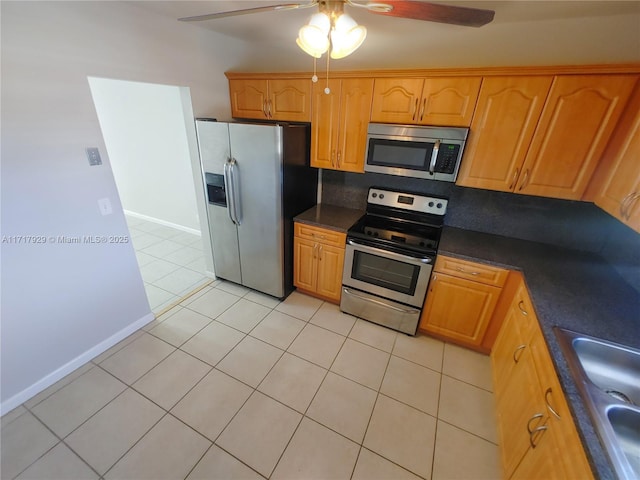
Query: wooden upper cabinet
<point x="272" y="99"/>
<point x="339" y="124"/>
<point x="578" y="118"/>
<point x="448" y="101"/>
<point x="505" y="119"/>
<point x="619" y="186"/>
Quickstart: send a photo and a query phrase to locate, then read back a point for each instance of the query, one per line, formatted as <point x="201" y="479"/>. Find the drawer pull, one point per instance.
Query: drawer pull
<point x="546" y="399"/>
<point x="460" y="269"/>
<point x="535" y="417"/>
<point x="522" y="309"/>
<point x="532" y="434"/>
<point x="519" y="348"/>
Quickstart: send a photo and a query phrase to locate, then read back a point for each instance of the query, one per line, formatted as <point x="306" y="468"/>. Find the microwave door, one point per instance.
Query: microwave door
<point x="399" y="157"/>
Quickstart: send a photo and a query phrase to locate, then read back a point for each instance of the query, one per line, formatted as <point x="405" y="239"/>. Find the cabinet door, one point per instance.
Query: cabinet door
<point x="355" y="106"/>
<point x="330" y="264"/>
<point x="396" y="100"/>
<point x="324" y="125"/>
<point x="305" y="264"/>
<point x="458" y="309"/>
<point x="448" y="101"/>
<point x="578" y="118"/>
<point x="248" y="98"/>
<point x="619" y="194"/>
<point x="290" y="99"/>
<point x="502" y="128"/>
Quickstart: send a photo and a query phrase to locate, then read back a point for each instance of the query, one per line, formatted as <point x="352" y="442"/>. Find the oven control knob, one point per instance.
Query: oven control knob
<point x="439" y="205"/>
<point x="431" y="204"/>
<point x="381" y="196"/>
<point x="374" y="195"/>
<point x="422" y="244"/>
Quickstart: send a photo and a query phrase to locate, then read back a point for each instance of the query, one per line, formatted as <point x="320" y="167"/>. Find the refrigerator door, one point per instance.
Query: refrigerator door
<point x="213" y="142"/>
<point x="257" y="151"/>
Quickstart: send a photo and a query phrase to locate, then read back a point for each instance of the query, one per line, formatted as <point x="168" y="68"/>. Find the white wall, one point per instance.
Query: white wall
<point x="146" y="141"/>
<point x="64" y="303"/>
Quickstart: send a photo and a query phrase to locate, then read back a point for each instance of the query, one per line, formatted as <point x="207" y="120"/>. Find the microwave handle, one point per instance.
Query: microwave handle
<point x="434" y="157"/>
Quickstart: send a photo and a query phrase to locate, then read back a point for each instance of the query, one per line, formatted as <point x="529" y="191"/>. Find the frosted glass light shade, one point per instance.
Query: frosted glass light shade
<point x="346" y="36"/>
<point x="313" y="38"/>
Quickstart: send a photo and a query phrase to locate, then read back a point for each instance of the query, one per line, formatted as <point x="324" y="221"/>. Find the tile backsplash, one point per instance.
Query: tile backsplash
<point x="566" y="223"/>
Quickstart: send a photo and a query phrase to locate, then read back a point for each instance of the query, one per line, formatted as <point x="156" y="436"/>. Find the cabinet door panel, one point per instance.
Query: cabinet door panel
<point x="618" y="194"/>
<point x="396" y="100"/>
<point x="355" y="107"/>
<point x="448" y="101"/>
<point x="290" y="99"/>
<point x="576" y="123"/>
<point x="324" y="125"/>
<point x="248" y="98"/>
<point x="330" y="263"/>
<point x="506" y="116"/>
<point x="305" y="264"/>
<point x="459" y="309"/>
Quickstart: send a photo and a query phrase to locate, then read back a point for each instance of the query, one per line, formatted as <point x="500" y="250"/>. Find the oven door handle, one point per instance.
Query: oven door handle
<point x="388" y="253"/>
<point x="378" y="302"/>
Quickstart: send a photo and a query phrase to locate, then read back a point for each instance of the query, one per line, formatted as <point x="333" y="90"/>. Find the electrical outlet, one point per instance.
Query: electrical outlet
<point x="93" y="155"/>
<point x="104" y="204"/>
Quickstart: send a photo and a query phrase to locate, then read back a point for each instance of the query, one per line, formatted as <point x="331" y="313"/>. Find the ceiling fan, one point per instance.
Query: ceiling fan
<point x="332" y="29"/>
<point x="417" y="10"/>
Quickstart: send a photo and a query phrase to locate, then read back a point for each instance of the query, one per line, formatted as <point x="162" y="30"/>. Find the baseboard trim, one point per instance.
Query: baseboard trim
<point x="193" y="231"/>
<point x="45" y="382"/>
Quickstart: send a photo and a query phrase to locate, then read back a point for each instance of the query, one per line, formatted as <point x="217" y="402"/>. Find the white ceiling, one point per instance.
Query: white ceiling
<point x="526" y="32"/>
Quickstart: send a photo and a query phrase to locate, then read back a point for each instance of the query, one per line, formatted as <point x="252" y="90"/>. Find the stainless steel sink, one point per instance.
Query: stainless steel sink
<point x="608" y="378"/>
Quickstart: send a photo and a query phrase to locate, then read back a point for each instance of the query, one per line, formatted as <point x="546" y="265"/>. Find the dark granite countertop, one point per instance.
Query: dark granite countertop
<point x="330" y="216"/>
<point x="571" y="289"/>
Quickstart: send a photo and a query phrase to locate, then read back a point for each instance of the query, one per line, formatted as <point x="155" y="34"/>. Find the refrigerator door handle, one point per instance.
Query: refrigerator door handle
<point x="234" y="173"/>
<point x="228" y="185"/>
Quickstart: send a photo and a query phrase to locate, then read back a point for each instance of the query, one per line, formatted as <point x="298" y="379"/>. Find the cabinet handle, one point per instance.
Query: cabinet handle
<point x="320" y="253"/>
<point x="460" y="269"/>
<point x="317" y="235"/>
<point x="315" y="250"/>
<point x="524" y="180"/>
<point x="519" y="348"/>
<point x="628" y="201"/>
<point x="264" y="108"/>
<point x="424" y="105"/>
<point x="269" y="109"/>
<point x="415" y="110"/>
<point x="535" y="417"/>
<point x="338" y="158"/>
<point x="515" y="179"/>
<point x="522" y="309"/>
<point x="532" y="434"/>
<point x="546" y="400"/>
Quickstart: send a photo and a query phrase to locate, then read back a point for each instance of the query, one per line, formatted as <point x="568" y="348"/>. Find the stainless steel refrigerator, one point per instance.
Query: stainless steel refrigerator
<point x="257" y="178"/>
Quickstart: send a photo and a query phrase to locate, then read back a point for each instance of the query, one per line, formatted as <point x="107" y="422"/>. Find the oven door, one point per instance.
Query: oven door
<point x="395" y="276"/>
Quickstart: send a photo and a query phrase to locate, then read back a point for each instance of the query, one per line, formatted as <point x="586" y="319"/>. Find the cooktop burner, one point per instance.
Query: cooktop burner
<point x="401" y="220"/>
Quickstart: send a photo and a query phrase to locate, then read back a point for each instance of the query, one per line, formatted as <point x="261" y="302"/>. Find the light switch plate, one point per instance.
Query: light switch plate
<point x="105" y="206"/>
<point x="93" y="154"/>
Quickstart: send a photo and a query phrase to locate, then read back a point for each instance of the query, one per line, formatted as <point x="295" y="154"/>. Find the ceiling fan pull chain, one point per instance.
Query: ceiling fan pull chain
<point x="327" y="90"/>
<point x="314" y="78"/>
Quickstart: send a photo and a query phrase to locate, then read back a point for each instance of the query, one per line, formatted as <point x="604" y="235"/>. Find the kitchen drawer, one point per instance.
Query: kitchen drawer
<point x="327" y="237"/>
<point x="472" y="271"/>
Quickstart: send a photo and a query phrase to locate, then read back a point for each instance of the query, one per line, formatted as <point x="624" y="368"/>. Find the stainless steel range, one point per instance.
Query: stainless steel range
<point x="389" y="256"/>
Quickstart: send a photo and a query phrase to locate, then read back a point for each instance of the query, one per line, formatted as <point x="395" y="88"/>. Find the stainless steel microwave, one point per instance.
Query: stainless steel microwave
<point x="415" y="151"/>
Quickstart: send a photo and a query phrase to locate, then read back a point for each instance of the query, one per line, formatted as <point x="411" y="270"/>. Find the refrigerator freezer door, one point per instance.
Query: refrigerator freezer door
<point x="213" y="142"/>
<point x="257" y="150"/>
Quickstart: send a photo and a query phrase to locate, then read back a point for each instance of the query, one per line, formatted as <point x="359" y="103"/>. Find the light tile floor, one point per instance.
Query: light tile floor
<point x="171" y="261"/>
<point x="232" y="384"/>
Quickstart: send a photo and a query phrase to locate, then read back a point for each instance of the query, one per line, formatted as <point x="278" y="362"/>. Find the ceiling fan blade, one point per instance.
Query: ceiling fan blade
<point x="434" y="12"/>
<point x="246" y="11"/>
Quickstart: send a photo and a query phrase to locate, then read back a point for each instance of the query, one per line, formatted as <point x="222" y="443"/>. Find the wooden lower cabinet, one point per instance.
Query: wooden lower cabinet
<point x="537" y="436"/>
<point x="318" y="259"/>
<point x="461" y="300"/>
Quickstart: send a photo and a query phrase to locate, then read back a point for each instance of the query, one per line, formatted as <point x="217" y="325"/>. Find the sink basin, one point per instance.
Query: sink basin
<point x="626" y="425"/>
<point x="612" y="368"/>
<point x="608" y="378"/>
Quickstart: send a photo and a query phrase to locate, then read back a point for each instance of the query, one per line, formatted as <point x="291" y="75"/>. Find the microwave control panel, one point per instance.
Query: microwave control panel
<point x="447" y="158"/>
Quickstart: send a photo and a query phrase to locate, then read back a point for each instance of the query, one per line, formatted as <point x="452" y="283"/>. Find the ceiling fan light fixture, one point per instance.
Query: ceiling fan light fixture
<point x="346" y="36"/>
<point x="313" y="37"/>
